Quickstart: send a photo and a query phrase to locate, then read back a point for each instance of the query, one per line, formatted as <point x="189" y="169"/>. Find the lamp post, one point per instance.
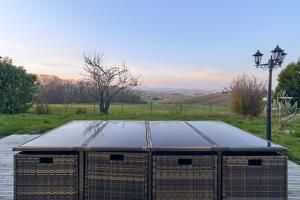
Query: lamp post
<point x="274" y="62"/>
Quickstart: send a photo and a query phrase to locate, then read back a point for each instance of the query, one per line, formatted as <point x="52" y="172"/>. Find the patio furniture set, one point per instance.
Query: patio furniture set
<point x="149" y="160"/>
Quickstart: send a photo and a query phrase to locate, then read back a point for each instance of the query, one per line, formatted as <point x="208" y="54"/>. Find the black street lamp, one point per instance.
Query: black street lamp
<point x="274" y="62"/>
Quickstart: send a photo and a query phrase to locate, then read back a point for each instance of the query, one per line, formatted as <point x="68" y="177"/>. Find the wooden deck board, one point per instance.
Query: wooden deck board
<point x="6" y="163"/>
<point x="6" y="168"/>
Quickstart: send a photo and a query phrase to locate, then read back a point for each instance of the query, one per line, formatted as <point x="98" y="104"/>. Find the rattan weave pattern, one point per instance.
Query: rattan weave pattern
<point x="121" y="179"/>
<point x="187" y="181"/>
<point x="264" y="179"/>
<point x="57" y="180"/>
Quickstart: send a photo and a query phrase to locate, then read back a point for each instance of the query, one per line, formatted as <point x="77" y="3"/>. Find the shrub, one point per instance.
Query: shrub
<point x="42" y="109"/>
<point x="247" y="94"/>
<point x="81" y="110"/>
<point x="17" y="89"/>
<point x="285" y="112"/>
<point x="289" y="81"/>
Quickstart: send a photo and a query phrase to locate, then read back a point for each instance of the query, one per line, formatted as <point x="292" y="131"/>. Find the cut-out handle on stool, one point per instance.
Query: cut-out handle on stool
<point x="184" y="161"/>
<point x="254" y="162"/>
<point x="117" y="157"/>
<point x="46" y="160"/>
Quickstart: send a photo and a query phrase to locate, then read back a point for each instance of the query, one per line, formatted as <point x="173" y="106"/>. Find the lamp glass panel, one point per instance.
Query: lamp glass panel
<point x="282" y="57"/>
<point x="257" y="59"/>
<point x="276" y="56"/>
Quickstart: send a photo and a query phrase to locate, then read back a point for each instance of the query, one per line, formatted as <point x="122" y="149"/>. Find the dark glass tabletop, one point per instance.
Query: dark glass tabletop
<point x="72" y="134"/>
<point x="175" y="134"/>
<point x="122" y="134"/>
<point x="225" y="135"/>
<point x="202" y="135"/>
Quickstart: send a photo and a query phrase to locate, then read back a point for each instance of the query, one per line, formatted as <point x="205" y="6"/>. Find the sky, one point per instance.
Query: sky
<point x="200" y="44"/>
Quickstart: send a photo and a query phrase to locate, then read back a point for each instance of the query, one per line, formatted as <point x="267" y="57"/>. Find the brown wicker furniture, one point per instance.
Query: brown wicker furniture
<point x="157" y="160"/>
<point x="184" y="167"/>
<point x="250" y="168"/>
<point x="185" y="176"/>
<point x="46" y="176"/>
<point x="116" y="163"/>
<point x="111" y="175"/>
<point x="256" y="176"/>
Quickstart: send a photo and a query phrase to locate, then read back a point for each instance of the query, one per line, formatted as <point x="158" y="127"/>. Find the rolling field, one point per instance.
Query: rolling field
<point x="191" y="98"/>
<point x="32" y="123"/>
<point x="214" y="99"/>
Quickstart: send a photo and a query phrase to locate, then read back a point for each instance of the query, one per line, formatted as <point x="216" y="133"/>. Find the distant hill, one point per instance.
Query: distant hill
<point x="179" y="90"/>
<point x="214" y="99"/>
<point x="189" y="98"/>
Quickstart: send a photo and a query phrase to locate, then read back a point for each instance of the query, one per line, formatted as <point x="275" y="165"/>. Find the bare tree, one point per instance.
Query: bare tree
<point x="6" y="60"/>
<point x="108" y="80"/>
<point x="55" y="90"/>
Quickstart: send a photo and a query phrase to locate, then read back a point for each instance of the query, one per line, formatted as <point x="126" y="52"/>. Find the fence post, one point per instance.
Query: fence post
<point x="151" y="106"/>
<point x="122" y="108"/>
<point x="180" y="108"/>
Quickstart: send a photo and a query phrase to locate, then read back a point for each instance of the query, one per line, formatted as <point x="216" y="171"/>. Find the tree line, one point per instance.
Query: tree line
<point x="103" y="85"/>
<point x="54" y="90"/>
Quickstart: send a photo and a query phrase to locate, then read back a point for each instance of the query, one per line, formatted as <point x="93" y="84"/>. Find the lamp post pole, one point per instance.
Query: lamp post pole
<point x="275" y="61"/>
<point x="269" y="102"/>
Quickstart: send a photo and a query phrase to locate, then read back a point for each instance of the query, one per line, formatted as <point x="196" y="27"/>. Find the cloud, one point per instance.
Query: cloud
<point x="183" y="76"/>
<point x="152" y="76"/>
<point x="10" y="45"/>
<point x="211" y="74"/>
<point x="59" y="64"/>
<point x="63" y="70"/>
<point x="67" y="50"/>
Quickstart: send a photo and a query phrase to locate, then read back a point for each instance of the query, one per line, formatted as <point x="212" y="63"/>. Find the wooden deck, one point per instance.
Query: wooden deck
<point x="6" y="163"/>
<point x="294" y="181"/>
<point x="6" y="168"/>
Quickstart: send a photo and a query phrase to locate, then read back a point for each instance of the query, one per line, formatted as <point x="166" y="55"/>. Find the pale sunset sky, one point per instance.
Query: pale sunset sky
<point x="171" y="43"/>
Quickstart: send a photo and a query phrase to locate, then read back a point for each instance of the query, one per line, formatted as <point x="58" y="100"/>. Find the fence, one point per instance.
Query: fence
<point x="151" y="107"/>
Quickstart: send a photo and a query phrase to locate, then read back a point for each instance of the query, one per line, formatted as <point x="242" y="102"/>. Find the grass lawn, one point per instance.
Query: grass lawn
<point x="32" y="123"/>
